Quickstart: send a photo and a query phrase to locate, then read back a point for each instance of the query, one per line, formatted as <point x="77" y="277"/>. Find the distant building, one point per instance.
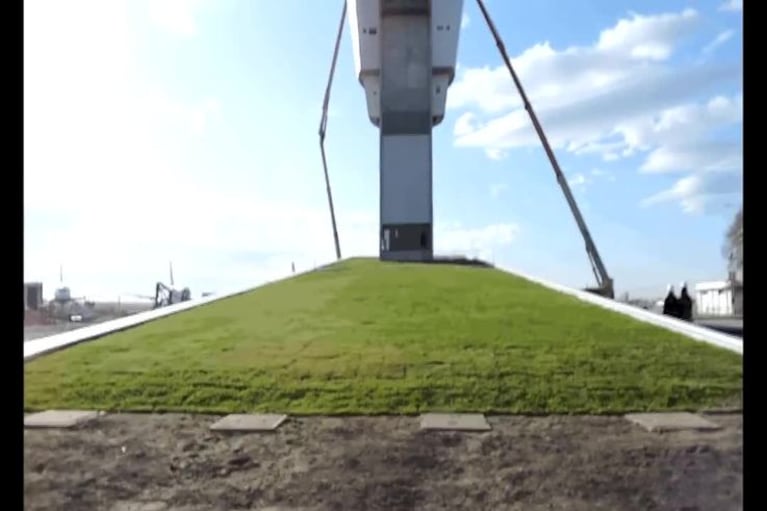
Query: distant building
<point x="736" y="278"/>
<point x="33" y="295"/>
<point x="719" y="298"/>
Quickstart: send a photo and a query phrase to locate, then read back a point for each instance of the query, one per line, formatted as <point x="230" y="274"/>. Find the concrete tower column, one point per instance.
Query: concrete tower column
<point x="405" y="131"/>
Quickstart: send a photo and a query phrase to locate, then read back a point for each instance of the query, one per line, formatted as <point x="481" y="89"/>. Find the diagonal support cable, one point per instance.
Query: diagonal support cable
<point x="323" y="129"/>
<point x="600" y="272"/>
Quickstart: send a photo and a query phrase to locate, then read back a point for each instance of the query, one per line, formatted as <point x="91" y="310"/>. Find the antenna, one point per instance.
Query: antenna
<point x="61" y="274"/>
<point x="170" y="264"/>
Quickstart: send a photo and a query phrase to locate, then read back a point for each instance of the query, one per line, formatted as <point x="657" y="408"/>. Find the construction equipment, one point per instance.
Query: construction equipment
<point x="323" y="129"/>
<point x="604" y="282"/>
<point x="169" y="295"/>
<point x="165" y="295"/>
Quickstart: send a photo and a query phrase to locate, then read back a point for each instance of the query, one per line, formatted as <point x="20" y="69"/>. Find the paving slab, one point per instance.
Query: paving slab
<point x="249" y="422"/>
<point x="662" y="422"/>
<point x="140" y="506"/>
<point x="454" y="422"/>
<point x="59" y="418"/>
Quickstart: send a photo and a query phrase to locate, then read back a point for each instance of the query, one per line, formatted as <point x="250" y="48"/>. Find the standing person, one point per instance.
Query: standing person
<point x="685" y="303"/>
<point x="671" y="303"/>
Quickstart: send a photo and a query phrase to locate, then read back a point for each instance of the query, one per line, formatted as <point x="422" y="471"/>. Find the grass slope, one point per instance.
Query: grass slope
<point x="371" y="337"/>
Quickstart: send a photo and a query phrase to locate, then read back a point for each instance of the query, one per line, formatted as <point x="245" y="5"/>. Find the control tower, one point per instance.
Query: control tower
<point x="405" y="56"/>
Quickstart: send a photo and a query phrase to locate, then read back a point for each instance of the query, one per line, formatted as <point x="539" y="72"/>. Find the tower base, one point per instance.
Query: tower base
<point x="406" y="242"/>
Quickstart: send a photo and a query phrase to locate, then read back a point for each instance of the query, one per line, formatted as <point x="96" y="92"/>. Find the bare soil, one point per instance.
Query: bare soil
<point x="173" y="462"/>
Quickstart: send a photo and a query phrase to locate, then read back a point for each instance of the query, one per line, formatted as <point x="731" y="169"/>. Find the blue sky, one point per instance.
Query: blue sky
<point x="160" y="130"/>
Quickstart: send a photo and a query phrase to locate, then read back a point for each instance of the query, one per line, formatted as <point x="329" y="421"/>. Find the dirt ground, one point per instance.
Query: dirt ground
<point x="173" y="462"/>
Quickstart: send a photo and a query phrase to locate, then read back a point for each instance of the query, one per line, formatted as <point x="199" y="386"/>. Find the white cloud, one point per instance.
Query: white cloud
<point x="732" y="6"/>
<point x="581" y="180"/>
<point x="618" y="98"/>
<point x="464" y="125"/>
<point x="679" y="136"/>
<point x="578" y="180"/>
<point x="629" y="37"/>
<point x="714" y="156"/>
<point x="482" y="242"/>
<point x="719" y="40"/>
<point x="556" y="77"/>
<point x="694" y="193"/>
<point x="465" y="21"/>
<point x="175" y="16"/>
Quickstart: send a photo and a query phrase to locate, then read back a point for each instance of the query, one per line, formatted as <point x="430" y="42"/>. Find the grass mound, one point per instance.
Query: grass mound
<point x="366" y="337"/>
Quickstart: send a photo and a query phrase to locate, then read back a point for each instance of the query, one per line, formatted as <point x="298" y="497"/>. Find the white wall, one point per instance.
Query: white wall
<point x="714" y="302"/>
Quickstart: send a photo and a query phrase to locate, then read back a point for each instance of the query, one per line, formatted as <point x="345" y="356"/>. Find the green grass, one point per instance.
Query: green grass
<point x="371" y="337"/>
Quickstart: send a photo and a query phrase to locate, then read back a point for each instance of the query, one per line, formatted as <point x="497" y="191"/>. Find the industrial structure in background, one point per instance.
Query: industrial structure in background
<point x="722" y="300"/>
<point x="165" y="295"/>
<point x="65" y="307"/>
<point x="33" y="296"/>
<point x="169" y="295"/>
<point x="405" y="57"/>
<point x="34" y="313"/>
<point x="64" y="312"/>
<point x="720" y="297"/>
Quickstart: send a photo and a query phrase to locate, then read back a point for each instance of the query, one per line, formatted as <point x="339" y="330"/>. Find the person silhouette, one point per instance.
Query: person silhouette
<point x="685" y="303"/>
<point x="671" y="303"/>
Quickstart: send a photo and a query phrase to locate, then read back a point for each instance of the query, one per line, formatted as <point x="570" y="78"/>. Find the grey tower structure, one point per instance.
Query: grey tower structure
<point x="405" y="54"/>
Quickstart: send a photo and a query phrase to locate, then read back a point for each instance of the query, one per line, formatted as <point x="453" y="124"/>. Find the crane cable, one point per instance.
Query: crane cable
<point x="597" y="266"/>
<point x="323" y="129"/>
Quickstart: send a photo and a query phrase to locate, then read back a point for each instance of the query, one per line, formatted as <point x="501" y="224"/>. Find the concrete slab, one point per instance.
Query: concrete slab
<point x="454" y="422"/>
<point x="59" y="418"/>
<point x="140" y="506"/>
<point x="246" y="423"/>
<point x="662" y="422"/>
